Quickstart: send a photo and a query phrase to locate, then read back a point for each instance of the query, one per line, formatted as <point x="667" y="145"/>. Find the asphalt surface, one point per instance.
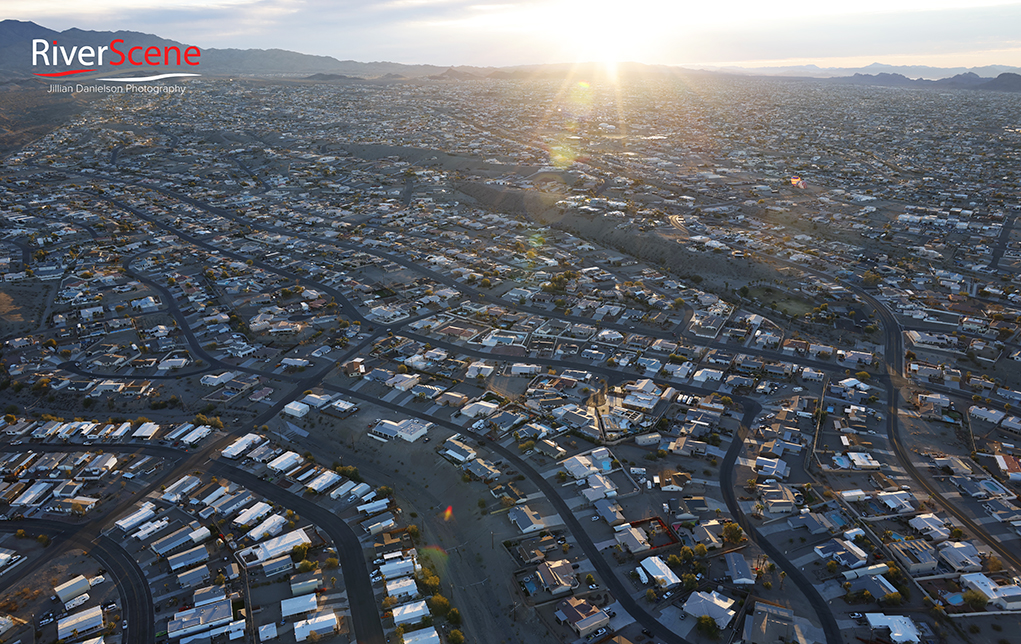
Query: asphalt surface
<point x="794" y="573"/>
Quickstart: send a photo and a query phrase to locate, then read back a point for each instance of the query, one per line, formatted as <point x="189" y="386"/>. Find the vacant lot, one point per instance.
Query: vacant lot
<point x="22" y="306"/>
<point x="785" y="302"/>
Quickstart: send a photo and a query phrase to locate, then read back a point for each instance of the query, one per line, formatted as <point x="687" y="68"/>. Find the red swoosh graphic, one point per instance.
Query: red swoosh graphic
<point x="67" y="73"/>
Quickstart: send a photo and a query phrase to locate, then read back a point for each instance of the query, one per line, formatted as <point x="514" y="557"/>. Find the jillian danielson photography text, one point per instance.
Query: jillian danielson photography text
<point x="80" y="88"/>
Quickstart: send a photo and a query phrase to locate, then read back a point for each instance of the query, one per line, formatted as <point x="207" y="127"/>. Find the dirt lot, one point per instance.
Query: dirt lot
<point x="22" y="305"/>
<point x="475" y="570"/>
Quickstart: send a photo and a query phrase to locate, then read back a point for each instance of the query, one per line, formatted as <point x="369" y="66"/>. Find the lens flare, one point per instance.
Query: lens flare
<point x="449" y="512"/>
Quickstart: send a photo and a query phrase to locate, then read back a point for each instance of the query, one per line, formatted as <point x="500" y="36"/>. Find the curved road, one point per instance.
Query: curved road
<point x="136" y="596"/>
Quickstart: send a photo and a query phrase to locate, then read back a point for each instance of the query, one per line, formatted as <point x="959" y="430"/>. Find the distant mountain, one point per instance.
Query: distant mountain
<point x="331" y="78"/>
<point x="1006" y="82"/>
<point x="453" y="74"/>
<point x="910" y="71"/>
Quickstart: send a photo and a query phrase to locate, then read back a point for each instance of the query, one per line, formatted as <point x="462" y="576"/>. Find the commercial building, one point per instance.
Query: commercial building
<point x="275" y="547"/>
<point x="200" y="619"/>
<point x="71" y="589"/>
<point x="81" y="623"/>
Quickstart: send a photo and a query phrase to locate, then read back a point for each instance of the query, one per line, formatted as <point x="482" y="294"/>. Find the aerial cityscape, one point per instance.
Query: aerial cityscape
<point x="295" y="348"/>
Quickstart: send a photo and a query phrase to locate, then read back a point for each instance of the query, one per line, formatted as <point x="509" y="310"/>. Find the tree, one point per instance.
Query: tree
<point x="690" y="581"/>
<point x="331" y="563"/>
<point x="993" y="564"/>
<point x="701" y="551"/>
<point x="687" y="554"/>
<point x="20" y="534"/>
<point x="957" y="534"/>
<point x="298" y="552"/>
<point x="892" y="599"/>
<point x="974" y="599"/>
<point x="307" y="566"/>
<point x="439" y="605"/>
<point x="43" y="539"/>
<point x="454" y="617"/>
<point x="732" y="533"/>
<point x="220" y="580"/>
<point x="707" y="626"/>
<point x="413" y="532"/>
<point x="455" y="637"/>
<point x="589" y="579"/>
<point x="77" y="509"/>
<point x="832" y="566"/>
<point x="650" y="595"/>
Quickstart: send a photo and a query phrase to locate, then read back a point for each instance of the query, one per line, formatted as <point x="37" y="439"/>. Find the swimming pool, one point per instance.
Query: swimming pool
<point x="954" y="599"/>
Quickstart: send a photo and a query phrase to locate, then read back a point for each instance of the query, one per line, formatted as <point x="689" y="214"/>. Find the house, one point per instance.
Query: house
<point x="658" y="571"/>
<point x="583" y="618"/>
<point x="843" y="552"/>
<point x="551" y="449"/>
<point x="769" y="624"/>
<point x="915" y="556"/>
<point x="1003" y="597"/>
<point x="961" y="556"/>
<point x="930" y="526"/>
<point x="673" y="481"/>
<point x="525" y="519"/>
<point x="479" y="408"/>
<point x="610" y="511"/>
<point x="296" y="409"/>
<point x="632" y="539"/>
<point x="902" y="629"/>
<point x="556" y="577"/>
<point x="712" y="604"/>
<point x="778" y="498"/>
<point x="738" y="569"/>
<point x="458" y="450"/>
<point x="815" y="523"/>
<point x="1009" y="466"/>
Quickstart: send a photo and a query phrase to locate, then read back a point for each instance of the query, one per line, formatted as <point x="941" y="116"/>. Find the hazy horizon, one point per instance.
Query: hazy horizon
<point x="943" y="33"/>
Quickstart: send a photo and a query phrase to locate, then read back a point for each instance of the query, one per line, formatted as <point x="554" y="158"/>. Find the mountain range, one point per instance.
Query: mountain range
<point x="16" y="64"/>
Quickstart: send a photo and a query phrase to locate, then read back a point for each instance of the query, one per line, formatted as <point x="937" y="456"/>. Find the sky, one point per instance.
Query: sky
<point x="750" y="33"/>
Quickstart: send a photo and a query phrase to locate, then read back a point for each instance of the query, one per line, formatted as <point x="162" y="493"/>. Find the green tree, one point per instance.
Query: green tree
<point x="707" y="626"/>
<point x="701" y="551"/>
<point x="455" y="637"/>
<point x="974" y="599"/>
<point x="732" y="533"/>
<point x="650" y="595"/>
<point x="454" y="617"/>
<point x="892" y="599"/>
<point x="690" y="581"/>
<point x="439" y="605"/>
<point x="687" y="554"/>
